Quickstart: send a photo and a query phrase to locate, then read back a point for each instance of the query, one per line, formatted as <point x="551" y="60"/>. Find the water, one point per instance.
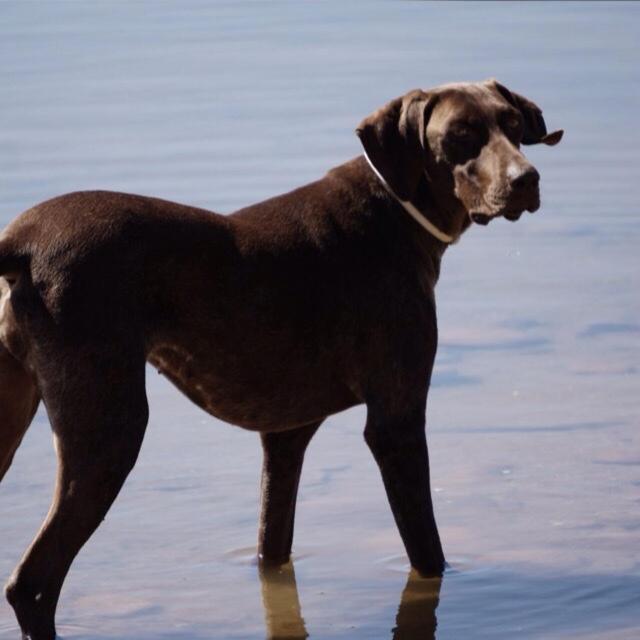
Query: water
<point x="532" y="418"/>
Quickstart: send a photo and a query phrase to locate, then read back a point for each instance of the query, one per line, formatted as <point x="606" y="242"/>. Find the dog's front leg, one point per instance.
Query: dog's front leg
<point x="281" y="468"/>
<point x="399" y="446"/>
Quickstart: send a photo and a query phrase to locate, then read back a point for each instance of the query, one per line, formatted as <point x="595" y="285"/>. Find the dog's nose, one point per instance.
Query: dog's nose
<point x="529" y="178"/>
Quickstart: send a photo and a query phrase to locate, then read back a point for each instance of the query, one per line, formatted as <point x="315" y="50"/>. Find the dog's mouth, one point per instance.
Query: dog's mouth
<point x="481" y="218"/>
<point x="515" y="213"/>
<point x="484" y="218"/>
<point x="511" y="214"/>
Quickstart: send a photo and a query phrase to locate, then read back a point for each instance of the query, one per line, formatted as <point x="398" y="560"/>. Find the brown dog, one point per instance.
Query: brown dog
<point x="271" y="318"/>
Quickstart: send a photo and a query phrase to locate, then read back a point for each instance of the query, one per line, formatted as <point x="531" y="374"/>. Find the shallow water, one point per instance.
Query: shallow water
<point x="533" y="425"/>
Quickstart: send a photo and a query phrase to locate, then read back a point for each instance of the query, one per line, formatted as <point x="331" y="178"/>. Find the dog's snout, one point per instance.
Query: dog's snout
<point x="528" y="178"/>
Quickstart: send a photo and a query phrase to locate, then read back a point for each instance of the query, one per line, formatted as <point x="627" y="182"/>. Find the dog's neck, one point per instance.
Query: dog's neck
<point x="420" y="216"/>
<point x="442" y="208"/>
<point x="440" y="216"/>
<point x="390" y="222"/>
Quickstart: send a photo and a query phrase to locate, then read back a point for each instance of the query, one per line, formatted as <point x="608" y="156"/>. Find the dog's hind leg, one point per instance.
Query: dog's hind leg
<point x="19" y="400"/>
<point x="281" y="468"/>
<point x="98" y="411"/>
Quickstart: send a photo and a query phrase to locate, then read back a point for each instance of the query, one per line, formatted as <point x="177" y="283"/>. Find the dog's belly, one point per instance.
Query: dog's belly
<point x="247" y="394"/>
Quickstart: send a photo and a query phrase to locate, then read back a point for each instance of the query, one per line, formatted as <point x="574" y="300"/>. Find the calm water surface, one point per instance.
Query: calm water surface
<point x="533" y="415"/>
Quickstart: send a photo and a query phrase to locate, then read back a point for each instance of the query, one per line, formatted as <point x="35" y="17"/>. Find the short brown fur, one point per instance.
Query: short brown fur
<point x="271" y="318"/>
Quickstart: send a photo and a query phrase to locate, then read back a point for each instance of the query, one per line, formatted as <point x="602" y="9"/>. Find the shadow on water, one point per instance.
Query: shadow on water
<point x="482" y="603"/>
<point x="416" y="617"/>
<point x="473" y="603"/>
<point x="478" y="604"/>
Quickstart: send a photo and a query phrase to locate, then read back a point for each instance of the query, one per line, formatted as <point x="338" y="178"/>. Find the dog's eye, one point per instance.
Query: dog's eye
<point x="463" y="133"/>
<point x="512" y="126"/>
<point x="463" y="141"/>
<point x="513" y="123"/>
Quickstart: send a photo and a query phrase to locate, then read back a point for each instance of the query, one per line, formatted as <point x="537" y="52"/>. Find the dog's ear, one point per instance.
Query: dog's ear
<point x="394" y="137"/>
<point x="535" y="129"/>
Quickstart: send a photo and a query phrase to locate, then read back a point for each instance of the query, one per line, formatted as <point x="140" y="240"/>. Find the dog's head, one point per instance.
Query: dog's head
<point x="465" y="140"/>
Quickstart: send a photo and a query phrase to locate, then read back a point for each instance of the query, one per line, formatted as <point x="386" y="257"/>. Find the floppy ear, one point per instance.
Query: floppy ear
<point x="535" y="129"/>
<point x="394" y="139"/>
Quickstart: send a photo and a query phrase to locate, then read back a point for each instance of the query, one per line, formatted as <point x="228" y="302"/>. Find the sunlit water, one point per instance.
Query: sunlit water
<point x="533" y="415"/>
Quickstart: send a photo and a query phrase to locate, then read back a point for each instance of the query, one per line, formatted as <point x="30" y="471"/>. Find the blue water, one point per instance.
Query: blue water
<point x="533" y="420"/>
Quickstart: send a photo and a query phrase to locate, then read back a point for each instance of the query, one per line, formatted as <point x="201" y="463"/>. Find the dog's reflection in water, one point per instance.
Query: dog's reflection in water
<point x="416" y="617"/>
<point x="415" y="620"/>
<point x="282" y="614"/>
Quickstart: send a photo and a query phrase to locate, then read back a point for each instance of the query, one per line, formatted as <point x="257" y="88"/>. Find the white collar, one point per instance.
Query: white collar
<point x="420" y="218"/>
